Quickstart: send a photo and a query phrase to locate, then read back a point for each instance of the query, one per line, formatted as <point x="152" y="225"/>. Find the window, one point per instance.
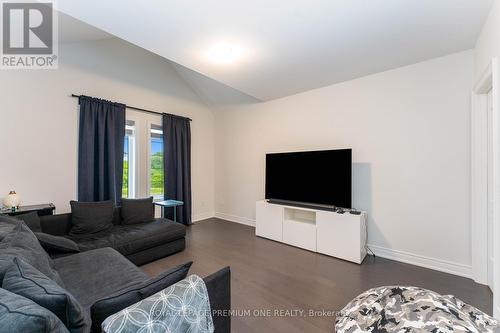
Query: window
<point x="156" y="161"/>
<point x="128" y="189"/>
<point x="143" y="157"/>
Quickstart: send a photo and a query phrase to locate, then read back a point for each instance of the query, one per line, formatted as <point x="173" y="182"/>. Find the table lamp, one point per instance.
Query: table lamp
<point x="12" y="200"/>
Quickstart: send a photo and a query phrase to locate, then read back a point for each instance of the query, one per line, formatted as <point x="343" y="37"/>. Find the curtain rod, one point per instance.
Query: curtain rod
<point x="144" y="110"/>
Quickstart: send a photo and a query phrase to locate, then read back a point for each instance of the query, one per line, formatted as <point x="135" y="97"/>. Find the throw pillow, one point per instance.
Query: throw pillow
<point x="24" y="280"/>
<point x="134" y="211"/>
<point x="32" y="220"/>
<point x="56" y="244"/>
<point x="105" y="307"/>
<point x="22" y="243"/>
<point x="19" y="314"/>
<point x="7" y="225"/>
<point x="90" y="217"/>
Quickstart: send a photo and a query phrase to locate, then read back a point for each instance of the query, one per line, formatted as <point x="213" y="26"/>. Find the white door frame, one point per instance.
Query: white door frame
<point x="479" y="186"/>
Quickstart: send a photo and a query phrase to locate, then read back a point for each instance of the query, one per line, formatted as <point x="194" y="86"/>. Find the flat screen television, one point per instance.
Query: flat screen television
<point x="316" y="178"/>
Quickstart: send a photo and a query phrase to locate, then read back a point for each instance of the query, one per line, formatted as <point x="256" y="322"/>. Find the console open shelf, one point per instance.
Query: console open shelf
<point x="299" y="215"/>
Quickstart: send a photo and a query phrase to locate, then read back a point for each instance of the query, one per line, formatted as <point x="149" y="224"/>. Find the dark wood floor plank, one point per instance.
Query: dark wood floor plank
<point x="274" y="276"/>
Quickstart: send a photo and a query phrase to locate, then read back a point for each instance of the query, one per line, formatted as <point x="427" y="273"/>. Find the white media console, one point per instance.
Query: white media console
<point x="337" y="235"/>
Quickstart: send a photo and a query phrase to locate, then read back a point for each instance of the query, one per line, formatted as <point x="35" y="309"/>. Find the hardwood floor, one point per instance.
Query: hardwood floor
<point x="268" y="275"/>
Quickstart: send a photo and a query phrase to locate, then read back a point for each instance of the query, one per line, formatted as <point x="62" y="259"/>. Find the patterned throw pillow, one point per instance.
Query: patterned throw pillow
<point x="182" y="307"/>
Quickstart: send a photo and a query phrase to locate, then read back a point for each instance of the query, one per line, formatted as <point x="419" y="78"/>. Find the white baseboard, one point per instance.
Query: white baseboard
<point x="423" y="261"/>
<point x="401" y="256"/>
<point x="202" y="216"/>
<point x="234" y="218"/>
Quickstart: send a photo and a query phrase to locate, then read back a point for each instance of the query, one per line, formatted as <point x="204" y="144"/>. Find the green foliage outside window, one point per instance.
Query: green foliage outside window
<point x="156" y="174"/>
<point x="125" y="179"/>
<point x="156" y="168"/>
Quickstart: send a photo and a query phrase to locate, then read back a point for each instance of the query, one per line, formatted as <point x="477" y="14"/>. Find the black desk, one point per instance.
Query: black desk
<point x="42" y="210"/>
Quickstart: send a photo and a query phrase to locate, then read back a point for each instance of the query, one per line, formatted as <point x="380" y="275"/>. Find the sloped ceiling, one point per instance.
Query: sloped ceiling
<point x="72" y="30"/>
<point x="294" y="45"/>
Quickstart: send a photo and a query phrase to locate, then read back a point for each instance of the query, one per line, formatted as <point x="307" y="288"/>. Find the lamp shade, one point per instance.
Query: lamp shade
<point x="12" y="200"/>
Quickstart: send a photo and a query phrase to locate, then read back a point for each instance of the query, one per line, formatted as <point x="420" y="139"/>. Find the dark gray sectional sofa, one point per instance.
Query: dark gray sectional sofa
<point x="100" y="280"/>
<point x="140" y="243"/>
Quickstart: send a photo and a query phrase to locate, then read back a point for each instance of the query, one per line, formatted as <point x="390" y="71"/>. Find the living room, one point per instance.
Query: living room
<point x="141" y="157"/>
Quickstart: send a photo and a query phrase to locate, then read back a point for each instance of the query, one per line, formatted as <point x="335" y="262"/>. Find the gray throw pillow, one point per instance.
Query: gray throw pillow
<point x="90" y="217"/>
<point x="32" y="220"/>
<point x="24" y="280"/>
<point x="21" y="242"/>
<point x="105" y="307"/>
<point x="19" y="314"/>
<point x="56" y="244"/>
<point x="7" y="225"/>
<point x="135" y="211"/>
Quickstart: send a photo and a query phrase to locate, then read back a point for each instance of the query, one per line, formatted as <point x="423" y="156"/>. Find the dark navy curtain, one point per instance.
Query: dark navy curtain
<point x="177" y="165"/>
<point x="100" y="150"/>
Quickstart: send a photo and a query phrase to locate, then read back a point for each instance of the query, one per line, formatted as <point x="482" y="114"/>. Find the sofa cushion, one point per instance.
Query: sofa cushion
<point x="96" y="274"/>
<point x="90" y="217"/>
<point x="31" y="219"/>
<point x="7" y="225"/>
<point x="129" y="239"/>
<point x="134" y="211"/>
<point x="19" y="314"/>
<point x="105" y="307"/>
<point x="56" y="244"/>
<point x="21" y="242"/>
<point x="95" y="241"/>
<point x="23" y="279"/>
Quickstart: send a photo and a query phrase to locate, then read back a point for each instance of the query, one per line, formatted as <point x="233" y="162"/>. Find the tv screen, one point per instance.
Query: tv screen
<point x="313" y="177"/>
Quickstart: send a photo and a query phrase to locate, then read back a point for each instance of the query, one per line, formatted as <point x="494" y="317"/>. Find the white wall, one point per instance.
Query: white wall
<point x="408" y="127"/>
<point x="409" y="130"/>
<point x="38" y="119"/>
<point x="488" y="43"/>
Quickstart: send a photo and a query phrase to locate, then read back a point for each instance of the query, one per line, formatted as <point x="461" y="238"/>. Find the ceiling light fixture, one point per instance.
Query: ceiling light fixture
<point x="225" y="53"/>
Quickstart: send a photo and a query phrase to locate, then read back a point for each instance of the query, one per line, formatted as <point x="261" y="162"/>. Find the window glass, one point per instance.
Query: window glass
<point x="128" y="160"/>
<point x="156" y="162"/>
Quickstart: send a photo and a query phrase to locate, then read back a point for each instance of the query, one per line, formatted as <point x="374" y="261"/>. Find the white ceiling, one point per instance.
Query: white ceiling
<point x="293" y="45"/>
<point x="72" y="30"/>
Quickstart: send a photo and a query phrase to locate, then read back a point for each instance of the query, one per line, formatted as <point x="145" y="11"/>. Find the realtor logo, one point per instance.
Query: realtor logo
<point x="29" y="38"/>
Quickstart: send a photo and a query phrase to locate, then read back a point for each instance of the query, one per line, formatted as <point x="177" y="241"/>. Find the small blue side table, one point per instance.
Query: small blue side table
<point x="169" y="203"/>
